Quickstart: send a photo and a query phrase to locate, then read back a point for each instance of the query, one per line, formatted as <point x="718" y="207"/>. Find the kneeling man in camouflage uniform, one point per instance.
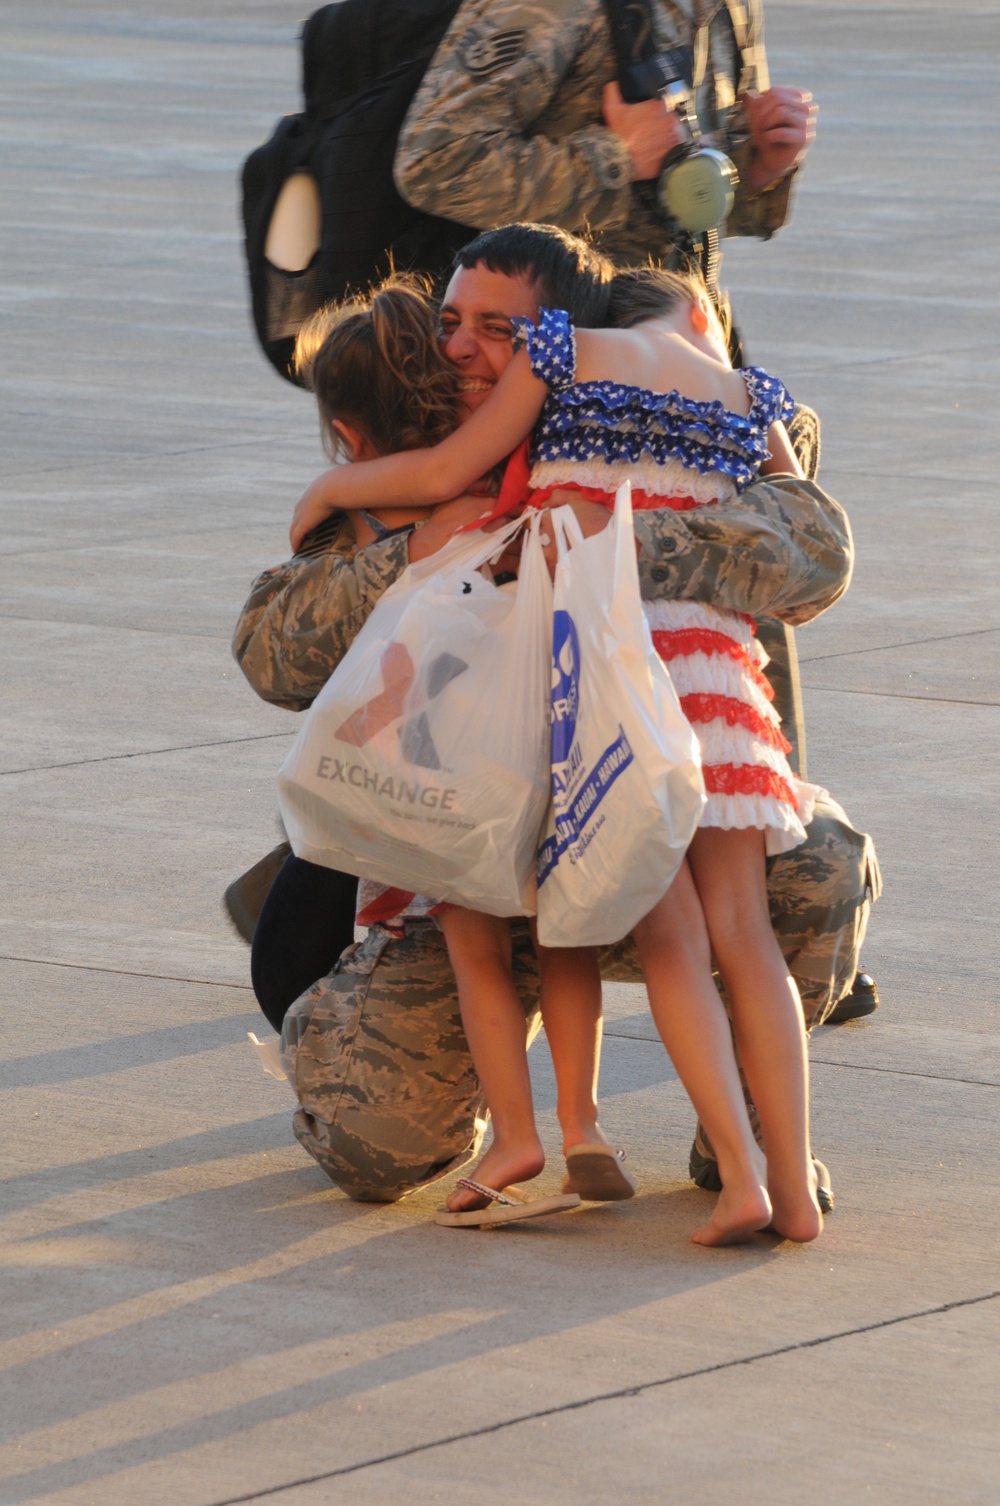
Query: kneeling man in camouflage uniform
<point x="389" y="1098"/>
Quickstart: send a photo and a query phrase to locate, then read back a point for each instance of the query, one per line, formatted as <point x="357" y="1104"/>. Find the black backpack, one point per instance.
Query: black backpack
<point x="362" y="63"/>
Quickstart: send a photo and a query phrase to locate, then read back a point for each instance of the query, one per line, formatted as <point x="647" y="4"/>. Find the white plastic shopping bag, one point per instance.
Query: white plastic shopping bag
<point x="627" y="791"/>
<point x="423" y="763"/>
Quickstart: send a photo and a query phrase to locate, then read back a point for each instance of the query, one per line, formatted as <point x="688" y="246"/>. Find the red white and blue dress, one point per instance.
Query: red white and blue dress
<point x="681" y="454"/>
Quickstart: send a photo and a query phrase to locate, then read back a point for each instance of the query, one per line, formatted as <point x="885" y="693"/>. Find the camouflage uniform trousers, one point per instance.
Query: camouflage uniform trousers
<point x="389" y="1098"/>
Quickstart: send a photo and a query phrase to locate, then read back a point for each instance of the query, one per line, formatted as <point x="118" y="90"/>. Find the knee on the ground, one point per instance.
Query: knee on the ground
<point x="369" y="1173"/>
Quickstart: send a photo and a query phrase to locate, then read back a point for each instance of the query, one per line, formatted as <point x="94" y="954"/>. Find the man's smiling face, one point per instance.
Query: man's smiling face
<point x="476" y="325"/>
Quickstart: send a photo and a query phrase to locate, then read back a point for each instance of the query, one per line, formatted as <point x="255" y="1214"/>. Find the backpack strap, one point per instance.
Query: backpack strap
<point x="640" y="76"/>
<point x="634" y="37"/>
<point x="748" y="31"/>
<point x="634" y="40"/>
<point x="350" y="47"/>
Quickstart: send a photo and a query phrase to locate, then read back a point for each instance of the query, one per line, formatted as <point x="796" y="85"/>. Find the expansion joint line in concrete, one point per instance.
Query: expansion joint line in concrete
<point x="972" y="1082"/>
<point x="891" y="695"/>
<point x="823" y="1061"/>
<point x="79" y="763"/>
<point x="815" y="1061"/>
<point x="116" y="627"/>
<point x="885" y="648"/>
<point x="618" y="1395"/>
<point x="125" y="972"/>
<point x="129" y="457"/>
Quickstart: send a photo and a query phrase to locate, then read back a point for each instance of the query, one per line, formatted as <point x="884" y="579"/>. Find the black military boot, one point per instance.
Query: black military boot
<point x="245" y="895"/>
<point x="862" y="1000"/>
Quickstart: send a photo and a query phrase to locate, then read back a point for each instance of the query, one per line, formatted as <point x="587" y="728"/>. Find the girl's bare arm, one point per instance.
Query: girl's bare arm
<point x="782" y="459"/>
<point x="427" y="477"/>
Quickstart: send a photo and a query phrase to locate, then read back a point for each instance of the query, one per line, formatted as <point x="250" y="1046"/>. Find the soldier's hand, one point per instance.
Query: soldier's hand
<point x="782" y="125"/>
<point x="647" y="130"/>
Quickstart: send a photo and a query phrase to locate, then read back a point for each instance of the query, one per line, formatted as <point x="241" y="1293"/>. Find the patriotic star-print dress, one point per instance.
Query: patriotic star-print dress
<point x="681" y="454"/>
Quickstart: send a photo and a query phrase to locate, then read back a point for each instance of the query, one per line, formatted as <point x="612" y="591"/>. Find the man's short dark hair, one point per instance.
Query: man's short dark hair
<point x="570" y="273"/>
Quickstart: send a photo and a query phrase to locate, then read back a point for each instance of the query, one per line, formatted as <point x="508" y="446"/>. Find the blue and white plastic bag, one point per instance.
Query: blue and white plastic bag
<point x="423" y="763"/>
<point x="627" y="791"/>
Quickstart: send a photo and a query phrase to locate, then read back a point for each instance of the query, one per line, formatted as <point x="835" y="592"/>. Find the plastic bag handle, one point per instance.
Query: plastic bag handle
<point x="566" y="525"/>
<point x="468" y="550"/>
<point x="532" y="556"/>
<point x="566" y="530"/>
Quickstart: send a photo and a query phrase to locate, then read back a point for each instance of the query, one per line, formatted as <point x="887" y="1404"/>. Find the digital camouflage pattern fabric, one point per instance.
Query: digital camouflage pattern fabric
<point x="782" y="550"/>
<point x="507" y="124"/>
<point x="820" y="896"/>
<point x="302" y="617"/>
<point x="389" y="1098"/>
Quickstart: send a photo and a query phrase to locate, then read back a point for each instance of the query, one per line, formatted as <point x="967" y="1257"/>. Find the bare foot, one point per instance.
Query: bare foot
<point x="797" y="1214"/>
<point x="502" y="1166"/>
<point x="740" y="1212"/>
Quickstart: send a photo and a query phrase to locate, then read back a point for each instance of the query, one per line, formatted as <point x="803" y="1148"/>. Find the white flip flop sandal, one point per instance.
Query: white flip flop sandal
<point x="598" y="1174"/>
<point x="505" y="1207"/>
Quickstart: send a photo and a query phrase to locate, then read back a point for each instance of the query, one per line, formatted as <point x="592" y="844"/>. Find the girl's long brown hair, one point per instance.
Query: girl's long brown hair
<point x="374" y="362"/>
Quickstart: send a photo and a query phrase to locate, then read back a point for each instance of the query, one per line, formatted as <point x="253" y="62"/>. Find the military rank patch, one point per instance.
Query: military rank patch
<point x="482" y="56"/>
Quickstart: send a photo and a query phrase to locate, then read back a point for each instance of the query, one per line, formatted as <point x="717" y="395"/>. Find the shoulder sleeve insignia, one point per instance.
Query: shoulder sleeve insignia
<point x="483" y="56"/>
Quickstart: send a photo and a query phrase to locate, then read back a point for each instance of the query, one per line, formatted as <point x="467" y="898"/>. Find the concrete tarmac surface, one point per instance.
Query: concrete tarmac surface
<point x="192" y="1314"/>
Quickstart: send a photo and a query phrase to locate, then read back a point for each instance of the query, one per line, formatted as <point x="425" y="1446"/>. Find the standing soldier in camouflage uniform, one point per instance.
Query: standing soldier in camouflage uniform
<point x="519" y="117"/>
<point x="388" y="1098"/>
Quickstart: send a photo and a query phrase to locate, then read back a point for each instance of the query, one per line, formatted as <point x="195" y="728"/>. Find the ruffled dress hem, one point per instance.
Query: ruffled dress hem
<point x="784" y="825"/>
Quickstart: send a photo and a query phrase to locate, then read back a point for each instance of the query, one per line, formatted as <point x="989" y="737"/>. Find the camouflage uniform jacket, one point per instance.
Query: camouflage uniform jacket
<point x="507" y="124"/>
<point x="782" y="550"/>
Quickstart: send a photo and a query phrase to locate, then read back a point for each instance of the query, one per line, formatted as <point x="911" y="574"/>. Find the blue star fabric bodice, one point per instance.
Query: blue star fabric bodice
<point x="615" y="423"/>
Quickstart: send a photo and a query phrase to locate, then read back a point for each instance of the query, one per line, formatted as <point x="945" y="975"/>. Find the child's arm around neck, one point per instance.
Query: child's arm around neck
<point x="782" y="459"/>
<point x="428" y="477"/>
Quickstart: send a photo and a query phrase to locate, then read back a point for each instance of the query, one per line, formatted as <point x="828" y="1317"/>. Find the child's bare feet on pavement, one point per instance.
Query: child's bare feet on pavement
<point x="501" y="1167"/>
<point x="743" y="1209"/>
<point x="797" y="1214"/>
